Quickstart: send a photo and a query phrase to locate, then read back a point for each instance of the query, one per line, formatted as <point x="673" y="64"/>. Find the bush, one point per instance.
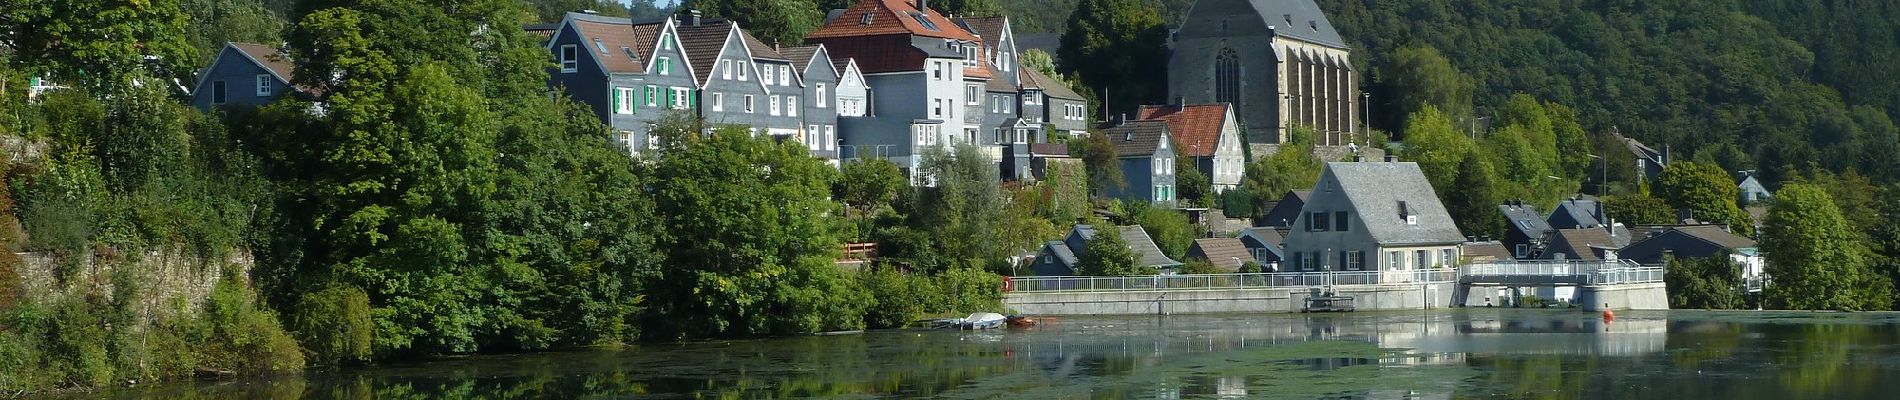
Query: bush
<point x="896" y="297"/>
<point x="334" y="324"/>
<point x="1199" y="267"/>
<point x="245" y="336"/>
<point x="900" y="298"/>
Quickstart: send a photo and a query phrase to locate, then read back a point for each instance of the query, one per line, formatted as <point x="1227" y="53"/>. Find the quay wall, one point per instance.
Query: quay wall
<point x="1211" y="301"/>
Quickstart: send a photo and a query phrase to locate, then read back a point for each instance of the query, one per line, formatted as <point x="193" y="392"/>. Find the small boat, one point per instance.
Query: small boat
<point x="983" y="321"/>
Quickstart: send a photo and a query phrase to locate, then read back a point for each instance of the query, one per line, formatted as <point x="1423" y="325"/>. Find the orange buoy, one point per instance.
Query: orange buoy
<point x="1607" y="315"/>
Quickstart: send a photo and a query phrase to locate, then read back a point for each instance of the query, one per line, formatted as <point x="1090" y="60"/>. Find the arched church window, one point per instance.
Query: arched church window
<point x="1227" y="78"/>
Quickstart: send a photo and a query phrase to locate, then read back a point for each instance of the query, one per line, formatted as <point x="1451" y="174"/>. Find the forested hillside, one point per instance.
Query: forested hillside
<point x="1769" y="85"/>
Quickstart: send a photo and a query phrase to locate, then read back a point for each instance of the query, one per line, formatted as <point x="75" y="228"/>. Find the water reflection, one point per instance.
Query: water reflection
<point x="1457" y="354"/>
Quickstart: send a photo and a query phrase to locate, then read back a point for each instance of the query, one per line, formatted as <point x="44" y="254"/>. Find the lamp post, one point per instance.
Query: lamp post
<point x="1366" y="114"/>
<point x="1603" y="181"/>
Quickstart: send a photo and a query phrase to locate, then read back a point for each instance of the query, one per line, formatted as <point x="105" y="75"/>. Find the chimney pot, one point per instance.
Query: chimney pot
<point x="692" y="17"/>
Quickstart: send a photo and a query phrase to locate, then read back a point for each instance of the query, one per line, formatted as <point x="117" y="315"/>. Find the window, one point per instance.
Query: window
<point x="1523" y="251"/>
<point x="765" y="74"/>
<point x="1316" y="221"/>
<point x="681" y="99"/>
<point x="725" y="69"/>
<point x="936" y="108"/>
<point x="623" y="100"/>
<point x="936" y="74"/>
<point x="666" y="41"/>
<point x="785" y="75"/>
<point x="743" y="67"/>
<point x="1340" y="223"/>
<point x="748" y="104"/>
<point x="831" y="138"/>
<point x="970" y="94"/>
<point x="821" y="95"/>
<point x="1355" y="260"/>
<point x="653" y="96"/>
<point x="1449" y="257"/>
<point x="264" y="84"/>
<point x="666" y="66"/>
<point x="570" y="58"/>
<point x="925" y="21"/>
<point x="791" y="106"/>
<point x="1421" y="259"/>
<point x="1307" y="263"/>
<point x="1394" y="260"/>
<point x="217" y="92"/>
<point x="774" y="101"/>
<point x="718" y="101"/>
<point x="1227" y="78"/>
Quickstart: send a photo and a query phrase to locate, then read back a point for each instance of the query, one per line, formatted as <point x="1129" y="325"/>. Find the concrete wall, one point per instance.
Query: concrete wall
<point x="1277" y="300"/>
<point x="1642" y="296"/>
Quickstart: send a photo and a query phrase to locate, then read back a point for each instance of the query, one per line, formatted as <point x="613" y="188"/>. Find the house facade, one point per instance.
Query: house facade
<point x="1146" y="154"/>
<point x="919" y="61"/>
<point x="242" y="74"/>
<point x="820" y="80"/>
<point x="1059" y="257"/>
<point x="1226" y="254"/>
<point x="1749" y="188"/>
<point x="1696" y="241"/>
<point x="1373" y="216"/>
<point x="1064" y="112"/>
<point x="630" y="73"/>
<point x="1527" y="229"/>
<point x="1279" y="63"/>
<point x="1266" y="245"/>
<point x="1207" y="134"/>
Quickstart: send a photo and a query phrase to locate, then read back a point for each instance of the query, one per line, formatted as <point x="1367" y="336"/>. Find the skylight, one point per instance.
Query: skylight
<point x="921" y="19"/>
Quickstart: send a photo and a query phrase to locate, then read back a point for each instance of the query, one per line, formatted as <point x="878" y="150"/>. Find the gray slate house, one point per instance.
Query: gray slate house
<point x="820" y="77"/>
<point x="1278" y="62"/>
<point x="1059" y="257"/>
<point x="243" y="74"/>
<point x="1485" y="251"/>
<point x="630" y="73"/>
<point x="918" y="60"/>
<point x="1649" y="162"/>
<point x="1147" y="162"/>
<point x="1283" y="213"/>
<point x="1051" y="100"/>
<point x="1227" y="254"/>
<point x="1266" y="245"/>
<point x="1750" y="188"/>
<point x="1527" y="228"/>
<point x="1588" y="244"/>
<point x="1207" y="134"/>
<point x="1695" y="241"/>
<point x="741" y="80"/>
<point x="1373" y="216"/>
<point x="1583" y="212"/>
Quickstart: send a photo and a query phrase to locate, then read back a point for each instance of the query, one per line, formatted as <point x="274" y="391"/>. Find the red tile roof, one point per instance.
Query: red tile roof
<point x="890" y="17"/>
<point x="275" y="60"/>
<point x="1197" y="127"/>
<point x="613" y="43"/>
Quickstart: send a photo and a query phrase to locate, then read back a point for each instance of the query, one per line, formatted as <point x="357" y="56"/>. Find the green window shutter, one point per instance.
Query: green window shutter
<point x="616" y="100"/>
<point x="692" y="99"/>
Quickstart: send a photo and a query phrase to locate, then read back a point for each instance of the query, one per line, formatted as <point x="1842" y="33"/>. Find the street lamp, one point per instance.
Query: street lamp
<point x="1366" y="119"/>
<point x="1603" y="182"/>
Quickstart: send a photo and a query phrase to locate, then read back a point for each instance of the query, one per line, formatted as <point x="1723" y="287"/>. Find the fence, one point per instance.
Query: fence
<point x="1226" y="281"/>
<point x="1561" y="273"/>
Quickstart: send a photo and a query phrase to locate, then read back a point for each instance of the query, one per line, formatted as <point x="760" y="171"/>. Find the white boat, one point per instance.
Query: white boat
<point x="982" y="321"/>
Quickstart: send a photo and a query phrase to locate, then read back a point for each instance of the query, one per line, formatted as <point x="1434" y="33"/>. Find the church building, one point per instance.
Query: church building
<point x="1278" y="62"/>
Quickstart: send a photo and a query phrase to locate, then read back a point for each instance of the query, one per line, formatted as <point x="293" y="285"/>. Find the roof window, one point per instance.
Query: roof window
<point x="600" y="45"/>
<point x="921" y="19"/>
<point x="865" y="20"/>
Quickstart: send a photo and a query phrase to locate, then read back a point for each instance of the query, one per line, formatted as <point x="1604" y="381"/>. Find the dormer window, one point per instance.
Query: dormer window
<point x="865" y="20"/>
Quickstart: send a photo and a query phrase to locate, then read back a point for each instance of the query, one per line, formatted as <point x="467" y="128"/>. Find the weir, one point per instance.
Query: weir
<point x="1600" y="285"/>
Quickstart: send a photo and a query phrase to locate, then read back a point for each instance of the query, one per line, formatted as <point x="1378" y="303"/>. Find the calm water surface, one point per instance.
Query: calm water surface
<point x="1456" y="354"/>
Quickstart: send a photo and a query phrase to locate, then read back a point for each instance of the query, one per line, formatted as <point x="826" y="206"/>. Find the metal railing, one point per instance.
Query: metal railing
<point x="1561" y="272"/>
<point x="1227" y="281"/>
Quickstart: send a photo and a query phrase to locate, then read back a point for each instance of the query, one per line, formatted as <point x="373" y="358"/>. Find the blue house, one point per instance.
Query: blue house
<point x="1147" y="161"/>
<point x="630" y="73"/>
<point x="1059" y="257"/>
<point x="244" y="74"/>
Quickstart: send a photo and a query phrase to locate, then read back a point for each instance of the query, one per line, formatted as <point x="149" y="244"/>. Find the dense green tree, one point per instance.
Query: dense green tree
<point x="968" y="8"/>
<point x="99" y="45"/>
<point x="749" y="249"/>
<point x="555" y="10"/>
<point x="214" y="22"/>
<point x="1418" y="77"/>
<point x="641" y="10"/>
<point x="1117" y="46"/>
<point x="1195" y="187"/>
<point x="1638" y="209"/>
<point x="774" y="21"/>
<point x="1704" y="283"/>
<point x="1815" y="258"/>
<point x="1707" y="191"/>
<point x="868" y="185"/>
<point x="1472" y="198"/>
<point x="964" y="202"/>
<point x="1169" y="228"/>
<point x="1106" y="254"/>
<point x="1292" y="167"/>
<point x="1104" y="167"/>
<point x="1436" y="145"/>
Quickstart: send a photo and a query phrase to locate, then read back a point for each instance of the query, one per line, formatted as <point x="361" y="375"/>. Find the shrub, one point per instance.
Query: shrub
<point x="1199" y="267"/>
<point x="334" y="324"/>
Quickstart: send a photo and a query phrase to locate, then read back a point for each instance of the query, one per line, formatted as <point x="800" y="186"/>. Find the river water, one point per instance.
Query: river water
<point x="1443" y="354"/>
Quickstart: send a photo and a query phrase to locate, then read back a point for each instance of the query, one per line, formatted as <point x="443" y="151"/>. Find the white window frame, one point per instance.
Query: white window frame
<point x="666" y="41"/>
<point x="265" y="85"/>
<point x="624" y="97"/>
<point x="718" y="101"/>
<point x="570" y="58"/>
<point x="785" y="72"/>
<point x="743" y="66"/>
<point x="765" y="74"/>
<point x="666" y="66"/>
<point x="831" y="138"/>
<point x="791" y="106"/>
<point x="773" y="105"/>
<point x="749" y="104"/>
<point x="821" y="95"/>
<point x="652" y="96"/>
<point x="680" y="98"/>
<point x="725" y="69"/>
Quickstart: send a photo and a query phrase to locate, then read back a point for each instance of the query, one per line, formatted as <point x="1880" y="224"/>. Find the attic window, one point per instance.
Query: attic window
<point x="601" y="46"/>
<point x="1288" y="17"/>
<point x="1404" y="211"/>
<point x="921" y="19"/>
<point x="629" y="52"/>
<point x="1314" y="25"/>
<point x="865" y="20"/>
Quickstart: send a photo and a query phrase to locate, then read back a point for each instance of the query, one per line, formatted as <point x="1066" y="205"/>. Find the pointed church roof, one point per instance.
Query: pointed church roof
<point x="1298" y="19"/>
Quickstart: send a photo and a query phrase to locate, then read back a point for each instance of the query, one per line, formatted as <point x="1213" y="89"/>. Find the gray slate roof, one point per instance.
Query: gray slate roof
<point x="1137" y="138"/>
<point x="1299" y="19"/>
<point x="1579" y="244"/>
<point x="1146" y="252"/>
<point x="1376" y="190"/>
<point x="1581" y="211"/>
<point x="1062" y="252"/>
<point x="1525" y="219"/>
